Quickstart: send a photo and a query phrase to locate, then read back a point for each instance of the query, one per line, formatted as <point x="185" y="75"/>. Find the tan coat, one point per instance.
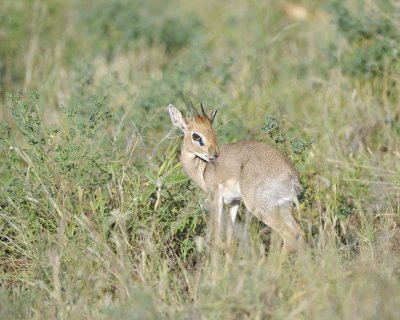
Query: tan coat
<point x="256" y="173"/>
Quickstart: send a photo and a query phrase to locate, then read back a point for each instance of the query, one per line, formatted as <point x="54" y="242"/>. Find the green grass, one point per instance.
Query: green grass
<point x="97" y="219"/>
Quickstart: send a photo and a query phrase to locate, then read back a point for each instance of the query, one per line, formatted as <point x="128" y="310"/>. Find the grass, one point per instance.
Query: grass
<point x="97" y="219"/>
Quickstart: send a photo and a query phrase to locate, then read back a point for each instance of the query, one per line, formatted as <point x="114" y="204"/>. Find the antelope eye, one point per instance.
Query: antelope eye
<point x="196" y="137"/>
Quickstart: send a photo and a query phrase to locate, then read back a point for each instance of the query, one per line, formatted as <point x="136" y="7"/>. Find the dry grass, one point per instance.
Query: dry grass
<point x="123" y="234"/>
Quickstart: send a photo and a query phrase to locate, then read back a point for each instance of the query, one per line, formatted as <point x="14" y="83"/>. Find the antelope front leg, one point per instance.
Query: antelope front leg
<point x="232" y="213"/>
<point x="217" y="207"/>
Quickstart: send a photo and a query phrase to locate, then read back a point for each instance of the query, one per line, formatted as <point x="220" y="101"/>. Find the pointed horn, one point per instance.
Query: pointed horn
<point x="196" y="113"/>
<point x="202" y="110"/>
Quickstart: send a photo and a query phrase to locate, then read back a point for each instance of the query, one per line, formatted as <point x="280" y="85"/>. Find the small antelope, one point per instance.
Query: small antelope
<point x="254" y="172"/>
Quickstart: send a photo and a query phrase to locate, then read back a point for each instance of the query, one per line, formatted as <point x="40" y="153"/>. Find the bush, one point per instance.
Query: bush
<point x="372" y="36"/>
<point x="116" y="26"/>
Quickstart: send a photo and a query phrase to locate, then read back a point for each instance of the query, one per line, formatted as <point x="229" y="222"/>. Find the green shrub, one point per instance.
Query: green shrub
<point x="280" y="134"/>
<point x="74" y="169"/>
<point x="116" y="26"/>
<point x="372" y="35"/>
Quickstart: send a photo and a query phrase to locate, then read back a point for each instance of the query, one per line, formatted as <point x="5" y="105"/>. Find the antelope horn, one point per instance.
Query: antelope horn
<point x="193" y="108"/>
<point x="202" y="110"/>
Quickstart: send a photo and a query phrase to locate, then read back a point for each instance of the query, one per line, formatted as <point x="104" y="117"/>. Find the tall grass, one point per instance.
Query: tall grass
<point x="97" y="219"/>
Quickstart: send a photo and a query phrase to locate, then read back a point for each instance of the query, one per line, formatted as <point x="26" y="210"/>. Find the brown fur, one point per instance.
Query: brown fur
<point x="255" y="173"/>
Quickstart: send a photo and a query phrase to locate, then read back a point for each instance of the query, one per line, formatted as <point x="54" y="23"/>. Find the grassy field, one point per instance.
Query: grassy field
<point x="97" y="219"/>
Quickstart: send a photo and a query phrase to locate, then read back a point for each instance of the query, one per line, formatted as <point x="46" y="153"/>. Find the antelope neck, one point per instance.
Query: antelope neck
<point x="194" y="167"/>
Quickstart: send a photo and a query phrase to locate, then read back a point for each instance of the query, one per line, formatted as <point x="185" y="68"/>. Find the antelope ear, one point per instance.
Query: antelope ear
<point x="178" y="120"/>
<point x="213" y="114"/>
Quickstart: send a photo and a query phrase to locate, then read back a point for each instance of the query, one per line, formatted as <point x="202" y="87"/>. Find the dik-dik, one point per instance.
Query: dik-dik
<point x="249" y="171"/>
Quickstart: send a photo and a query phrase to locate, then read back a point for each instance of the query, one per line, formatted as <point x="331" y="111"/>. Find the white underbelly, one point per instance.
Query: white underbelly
<point x="231" y="191"/>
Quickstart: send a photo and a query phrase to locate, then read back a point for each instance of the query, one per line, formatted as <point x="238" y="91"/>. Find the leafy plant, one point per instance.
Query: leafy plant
<point x="372" y="36"/>
<point x="116" y="26"/>
<point x="279" y="133"/>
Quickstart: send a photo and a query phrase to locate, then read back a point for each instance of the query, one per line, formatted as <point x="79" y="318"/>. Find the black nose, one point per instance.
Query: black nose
<point x="215" y="156"/>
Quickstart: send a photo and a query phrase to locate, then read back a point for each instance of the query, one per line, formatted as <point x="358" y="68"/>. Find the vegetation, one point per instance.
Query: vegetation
<point x="98" y="220"/>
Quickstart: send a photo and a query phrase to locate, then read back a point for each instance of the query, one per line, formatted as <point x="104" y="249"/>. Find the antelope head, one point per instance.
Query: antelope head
<point x="199" y="135"/>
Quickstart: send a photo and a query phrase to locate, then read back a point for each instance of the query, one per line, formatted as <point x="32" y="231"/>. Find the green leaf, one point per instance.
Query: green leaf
<point x="174" y="179"/>
<point x="164" y="193"/>
<point x="148" y="192"/>
<point x="152" y="177"/>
